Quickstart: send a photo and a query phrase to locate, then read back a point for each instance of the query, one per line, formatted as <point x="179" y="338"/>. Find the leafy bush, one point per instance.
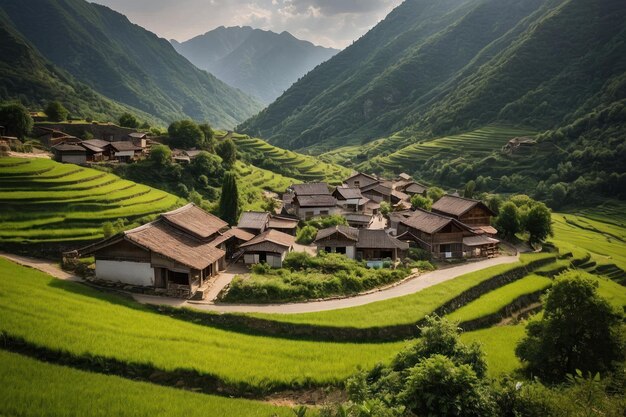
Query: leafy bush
<point x="419" y="254"/>
<point x="306" y="235"/>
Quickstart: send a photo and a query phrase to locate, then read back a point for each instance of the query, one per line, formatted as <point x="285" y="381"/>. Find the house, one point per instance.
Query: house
<point x="359" y="221"/>
<point x="312" y="188"/>
<point x="472" y="213"/>
<point x="350" y="199"/>
<point x="395" y="217"/>
<point x="269" y="247"/>
<point x="413" y="188"/>
<point x="377" y="192"/>
<point x="254" y="222"/>
<point x="284" y="224"/>
<point x="177" y="254"/>
<point x="361" y="244"/>
<point x="124" y="151"/>
<point x="70" y="153"/>
<point x="360" y="180"/>
<point x="399" y="197"/>
<point x="139" y="139"/>
<point x="307" y="207"/>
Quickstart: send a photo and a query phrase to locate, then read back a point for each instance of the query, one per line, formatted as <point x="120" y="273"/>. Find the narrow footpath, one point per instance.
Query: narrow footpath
<point x="408" y="287"/>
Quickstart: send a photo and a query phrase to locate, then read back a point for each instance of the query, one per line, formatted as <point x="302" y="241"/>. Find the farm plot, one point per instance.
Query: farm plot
<point x="33" y="389"/>
<point x="476" y="144"/>
<point x="292" y="164"/>
<point x="402" y="310"/>
<point x="44" y="201"/>
<point x="69" y="317"/>
<point x="253" y="181"/>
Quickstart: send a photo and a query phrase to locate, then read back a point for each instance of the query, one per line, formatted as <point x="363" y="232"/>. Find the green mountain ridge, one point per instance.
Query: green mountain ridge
<point x="261" y="63"/>
<point x="125" y="62"/>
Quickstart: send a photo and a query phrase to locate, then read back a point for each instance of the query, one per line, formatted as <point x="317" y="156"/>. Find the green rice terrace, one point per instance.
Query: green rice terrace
<point x="44" y="201"/>
<point x="291" y="164"/>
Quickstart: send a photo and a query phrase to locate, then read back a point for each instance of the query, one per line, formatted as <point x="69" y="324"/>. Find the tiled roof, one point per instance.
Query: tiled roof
<point x="427" y="222"/>
<point x="359" y="174"/>
<point x="316" y="200"/>
<point x="349" y="193"/>
<point x="98" y="143"/>
<point x="253" y="220"/>
<point x="382" y="189"/>
<point x="283" y="223"/>
<point x="415" y="188"/>
<point x="379" y="239"/>
<point x="348" y="232"/>
<point x="274" y="236"/>
<point x="455" y="206"/>
<point x="172" y="243"/>
<point x="479" y="240"/>
<point x="69" y="147"/>
<point x="91" y="148"/>
<point x="313" y="188"/>
<point x="234" y="232"/>
<point x="124" y="146"/>
<point x="400" y="195"/>
<point x="195" y="220"/>
<point x="358" y="218"/>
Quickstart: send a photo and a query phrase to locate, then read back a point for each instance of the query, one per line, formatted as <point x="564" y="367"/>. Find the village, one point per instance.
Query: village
<point x="182" y="253"/>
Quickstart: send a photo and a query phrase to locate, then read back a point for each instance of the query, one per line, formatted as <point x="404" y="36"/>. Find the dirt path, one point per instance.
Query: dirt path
<point x="408" y="287"/>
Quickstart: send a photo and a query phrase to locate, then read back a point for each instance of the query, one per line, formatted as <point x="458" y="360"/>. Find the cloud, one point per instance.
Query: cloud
<point x="334" y="23"/>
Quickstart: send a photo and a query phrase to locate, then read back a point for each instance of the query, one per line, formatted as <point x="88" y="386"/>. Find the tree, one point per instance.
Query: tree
<point x="508" y="221"/>
<point x="207" y="164"/>
<point x="385" y="208"/>
<point x="470" y="187"/>
<point x="558" y="192"/>
<point x="16" y="120"/>
<point x="160" y="155"/>
<point x="209" y="137"/>
<point x="435" y="193"/>
<point x="306" y="235"/>
<point x="579" y="330"/>
<point x="56" y="112"/>
<point x="228" y="151"/>
<point x="229" y="200"/>
<point x="538" y="222"/>
<point x="185" y="134"/>
<point x="422" y="202"/>
<point x="269" y="204"/>
<point x="128" y="120"/>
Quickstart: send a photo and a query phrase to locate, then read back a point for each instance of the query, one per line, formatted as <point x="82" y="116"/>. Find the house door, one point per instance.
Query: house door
<point x="262" y="257"/>
<point x="160" y="277"/>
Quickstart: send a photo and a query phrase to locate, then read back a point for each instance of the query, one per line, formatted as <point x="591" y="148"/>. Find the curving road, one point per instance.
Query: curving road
<point x="405" y="288"/>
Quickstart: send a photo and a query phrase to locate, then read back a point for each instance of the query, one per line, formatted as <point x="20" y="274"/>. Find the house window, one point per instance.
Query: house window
<point x="341" y="249"/>
<point x="323" y="212"/>
<point x="357" y="184"/>
<point x="328" y="249"/>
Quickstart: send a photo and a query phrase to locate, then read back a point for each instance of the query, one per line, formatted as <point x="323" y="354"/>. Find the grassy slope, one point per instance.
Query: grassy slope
<point x="498" y="343"/>
<point x="254" y="181"/>
<point x="71" y="317"/>
<point x="45" y="201"/>
<point x="401" y="310"/>
<point x="34" y="389"/>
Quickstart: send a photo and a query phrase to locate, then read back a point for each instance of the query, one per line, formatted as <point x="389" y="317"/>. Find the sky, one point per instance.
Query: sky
<point x="331" y="23"/>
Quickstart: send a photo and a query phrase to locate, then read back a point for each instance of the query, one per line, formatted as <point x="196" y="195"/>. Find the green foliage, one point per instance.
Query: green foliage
<point x="185" y="134"/>
<point x="435" y="193"/>
<point x="538" y="222"/>
<point x="385" y="208"/>
<point x="209" y="137"/>
<point x="470" y="187"/>
<point x="306" y="235"/>
<point x="56" y="112"/>
<point x="161" y="155"/>
<point x="227" y="150"/>
<point x="229" y="208"/>
<point x="418" y="201"/>
<point x="16" y="120"/>
<point x="128" y="120"/>
<point x="327" y="221"/>
<point x="306" y="277"/>
<point x="579" y="330"/>
<point x="208" y="164"/>
<point x="508" y="221"/>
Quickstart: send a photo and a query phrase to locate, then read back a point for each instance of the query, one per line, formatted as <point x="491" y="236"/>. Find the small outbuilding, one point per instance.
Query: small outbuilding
<point x="255" y="222"/>
<point x="70" y="153"/>
<point x="269" y="247"/>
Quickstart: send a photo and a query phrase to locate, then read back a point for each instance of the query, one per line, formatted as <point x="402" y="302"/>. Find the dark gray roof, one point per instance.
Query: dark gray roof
<point x="415" y="188"/>
<point x="358" y="218"/>
<point x="313" y="188"/>
<point x="428" y="222"/>
<point x="380" y="188"/>
<point x="124" y="146"/>
<point x="98" y="143"/>
<point x="69" y="147"/>
<point x="316" y="200"/>
<point x="379" y="239"/>
<point x="253" y="220"/>
<point x="347" y="193"/>
<point x="457" y="206"/>
<point x="348" y="232"/>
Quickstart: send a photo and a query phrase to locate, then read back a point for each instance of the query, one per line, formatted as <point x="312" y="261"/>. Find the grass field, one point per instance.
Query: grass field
<point x="402" y="310"/>
<point x="33" y="389"/>
<point x="473" y="145"/>
<point x="291" y="164"/>
<point x="66" y="316"/>
<point x="494" y="301"/>
<point x="45" y="201"/>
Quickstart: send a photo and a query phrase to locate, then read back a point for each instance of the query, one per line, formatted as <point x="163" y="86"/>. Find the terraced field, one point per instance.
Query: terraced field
<point x="291" y="164"/>
<point x="254" y="182"/>
<point x="473" y="145"/>
<point x="45" y="201"/>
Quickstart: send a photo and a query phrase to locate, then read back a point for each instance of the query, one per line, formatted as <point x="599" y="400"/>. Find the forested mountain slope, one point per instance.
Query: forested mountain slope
<point x="125" y="62"/>
<point x="261" y="63"/>
<point x="434" y="68"/>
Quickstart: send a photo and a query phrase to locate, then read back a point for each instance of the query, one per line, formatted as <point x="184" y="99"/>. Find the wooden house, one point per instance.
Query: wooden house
<point x="470" y="212"/>
<point x="377" y="192"/>
<point x="338" y="239"/>
<point x="311" y="188"/>
<point x="269" y="247"/>
<point x="307" y="207"/>
<point x="350" y="199"/>
<point x="359" y="221"/>
<point x="412" y="188"/>
<point x="285" y="224"/>
<point x="70" y="153"/>
<point x="361" y="244"/>
<point x="360" y="180"/>
<point x="124" y="151"/>
<point x="254" y="222"/>
<point x="177" y="254"/>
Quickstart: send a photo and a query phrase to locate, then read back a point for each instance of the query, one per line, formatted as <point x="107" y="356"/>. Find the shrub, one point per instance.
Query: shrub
<point x="419" y="254"/>
<point x="306" y="235"/>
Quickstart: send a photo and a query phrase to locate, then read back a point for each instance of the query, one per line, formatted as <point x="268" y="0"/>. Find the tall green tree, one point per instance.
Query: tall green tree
<point x="228" y="151"/>
<point x="128" y="120"/>
<point x="508" y="221"/>
<point x="419" y="201"/>
<point x="16" y="120"/>
<point x="56" y="112"/>
<point x="185" y="134"/>
<point x="579" y="330"/>
<point x="229" y="200"/>
<point x="161" y="155"/>
<point x="538" y="222"/>
<point x="209" y="137"/>
<point x="470" y="187"/>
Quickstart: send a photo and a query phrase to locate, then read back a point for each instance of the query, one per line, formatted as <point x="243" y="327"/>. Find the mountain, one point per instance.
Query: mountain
<point x="124" y="62"/>
<point x="435" y="68"/>
<point x="28" y="77"/>
<point x="261" y="63"/>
